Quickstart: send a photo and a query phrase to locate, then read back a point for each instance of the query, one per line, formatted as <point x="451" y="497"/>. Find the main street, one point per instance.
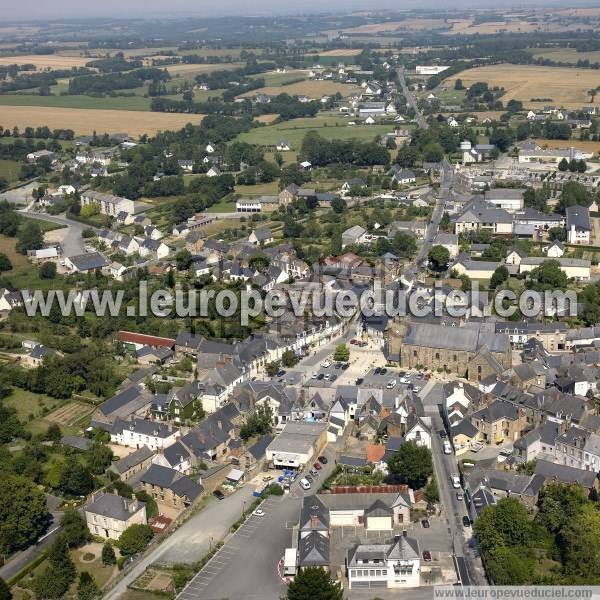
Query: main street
<point x="446" y="465"/>
<point x="447" y="178"/>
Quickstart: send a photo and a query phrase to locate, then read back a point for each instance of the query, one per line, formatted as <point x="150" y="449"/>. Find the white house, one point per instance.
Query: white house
<point x="579" y="225"/>
<point x="418" y="430"/>
<point x="214" y="171"/>
<point x="555" y="250"/>
<point x="141" y="432"/>
<point x="394" y="565"/>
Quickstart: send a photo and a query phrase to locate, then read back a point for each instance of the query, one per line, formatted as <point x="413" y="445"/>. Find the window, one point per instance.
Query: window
<point x="437" y="356"/>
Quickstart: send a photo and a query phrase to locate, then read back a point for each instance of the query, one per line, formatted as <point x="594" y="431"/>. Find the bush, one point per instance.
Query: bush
<point x="135" y="539"/>
<point x="47" y="270"/>
<point x="108" y="554"/>
<point x="88" y="556"/>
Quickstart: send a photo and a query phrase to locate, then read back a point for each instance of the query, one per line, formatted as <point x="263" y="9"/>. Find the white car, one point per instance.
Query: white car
<point x="259" y="512"/>
<point x="391" y="384"/>
<point x="447" y="447"/>
<point x="326" y="364"/>
<point x="314" y="375"/>
<point x="305" y="483"/>
<point x="476" y="446"/>
<point x="455" y="479"/>
<point x="404" y="380"/>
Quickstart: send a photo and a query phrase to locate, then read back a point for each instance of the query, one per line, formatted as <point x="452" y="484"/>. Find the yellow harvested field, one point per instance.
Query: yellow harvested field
<point x="582" y="145"/>
<point x="341" y="52"/>
<point x="47" y="61"/>
<point x="86" y="121"/>
<point x="391" y="26"/>
<point x="199" y="69"/>
<point x="312" y="89"/>
<point x="266" y="118"/>
<point x="562" y="86"/>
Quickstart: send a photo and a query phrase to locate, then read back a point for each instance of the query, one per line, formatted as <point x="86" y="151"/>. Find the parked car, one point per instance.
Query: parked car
<point x="455" y="479"/>
<point x="354" y="341"/>
<point x="383" y="371"/>
<point x="327" y="376"/>
<point x="447" y="447"/>
<point x="425" y="523"/>
<point x="314" y="376"/>
<point x="323" y="460"/>
<point x="320" y="376"/>
<point x="459" y="496"/>
<point x="280" y="373"/>
<point x="442" y="433"/>
<point x="314" y="472"/>
<point x="332" y="377"/>
<point x="307" y="477"/>
<point x="219" y="495"/>
<point x="404" y="380"/>
<point x="259" y="512"/>
<point x="345" y="366"/>
<point x="326" y="364"/>
<point x="359" y="381"/>
<point x="305" y="483"/>
<point x="377" y="370"/>
<point x="391" y="384"/>
<point x="466" y="521"/>
<point x="426" y="556"/>
<point x="317" y="466"/>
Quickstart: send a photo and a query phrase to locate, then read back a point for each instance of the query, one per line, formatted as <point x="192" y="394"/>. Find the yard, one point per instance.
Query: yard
<point x="312" y="89"/>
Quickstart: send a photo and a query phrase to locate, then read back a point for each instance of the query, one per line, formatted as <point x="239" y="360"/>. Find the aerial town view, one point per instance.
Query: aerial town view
<point x="299" y="301"/>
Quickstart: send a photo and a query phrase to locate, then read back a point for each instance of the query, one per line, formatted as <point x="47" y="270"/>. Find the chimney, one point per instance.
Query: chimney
<point x="313" y="521"/>
<point x="404" y="533"/>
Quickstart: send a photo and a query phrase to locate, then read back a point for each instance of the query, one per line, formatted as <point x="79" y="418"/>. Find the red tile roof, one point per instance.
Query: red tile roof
<point x="129" y="337"/>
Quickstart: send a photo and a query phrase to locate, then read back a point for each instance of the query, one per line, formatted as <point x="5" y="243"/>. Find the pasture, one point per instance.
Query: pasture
<point x="312" y="89"/>
<point x="568" y="55"/>
<point x="9" y="170"/>
<point x="193" y="70"/>
<point x="45" y="61"/>
<point x="328" y="127"/>
<point x="79" y="101"/>
<point x="557" y="85"/>
<point x="86" y="121"/>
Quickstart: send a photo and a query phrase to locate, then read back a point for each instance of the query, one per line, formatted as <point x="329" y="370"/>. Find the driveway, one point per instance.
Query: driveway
<point x="72" y="243"/>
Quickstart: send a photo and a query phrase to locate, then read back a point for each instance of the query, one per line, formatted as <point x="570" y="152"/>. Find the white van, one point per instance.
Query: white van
<point x="447" y="447"/>
<point x="305" y="484"/>
<point x="455" y="479"/>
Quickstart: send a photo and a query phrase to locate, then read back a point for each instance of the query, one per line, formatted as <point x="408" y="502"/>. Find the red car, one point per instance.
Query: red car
<point x="426" y="556"/>
<point x="317" y="466"/>
<point x="353" y="341"/>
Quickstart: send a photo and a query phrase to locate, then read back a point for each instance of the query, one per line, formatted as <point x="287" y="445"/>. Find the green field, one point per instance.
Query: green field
<point x="118" y="103"/>
<point x="282" y="79"/>
<point x="567" y="55"/>
<point x="10" y="169"/>
<point x="331" y="128"/>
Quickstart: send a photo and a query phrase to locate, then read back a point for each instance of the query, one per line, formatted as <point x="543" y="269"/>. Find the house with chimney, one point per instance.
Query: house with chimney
<point x="109" y="515"/>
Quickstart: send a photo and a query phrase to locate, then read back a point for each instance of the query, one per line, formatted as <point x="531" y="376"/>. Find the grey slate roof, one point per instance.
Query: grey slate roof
<point x="114" y="506"/>
<point x="132" y="460"/>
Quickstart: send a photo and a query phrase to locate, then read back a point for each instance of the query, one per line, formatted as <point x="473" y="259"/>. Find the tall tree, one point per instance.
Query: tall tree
<point x="412" y="464"/>
<point x="314" y="583"/>
<point x="24" y="516"/>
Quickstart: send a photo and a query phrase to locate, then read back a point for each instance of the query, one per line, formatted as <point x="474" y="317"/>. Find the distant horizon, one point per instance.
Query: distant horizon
<point x="71" y="10"/>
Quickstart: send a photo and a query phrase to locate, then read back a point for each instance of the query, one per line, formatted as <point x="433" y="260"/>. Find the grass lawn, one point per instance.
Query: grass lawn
<point x="261" y="189"/>
<point x="118" y="103"/>
<point x="330" y="128"/>
<point x="29" y="408"/>
<point x="10" y="169"/>
<point x="221" y="206"/>
<point x="7" y="246"/>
